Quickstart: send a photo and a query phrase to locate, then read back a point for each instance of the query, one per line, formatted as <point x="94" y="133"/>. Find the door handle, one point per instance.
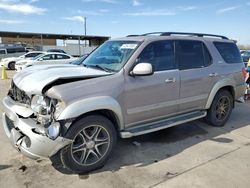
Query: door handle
<point x="213" y="74"/>
<point x="170" y="80"/>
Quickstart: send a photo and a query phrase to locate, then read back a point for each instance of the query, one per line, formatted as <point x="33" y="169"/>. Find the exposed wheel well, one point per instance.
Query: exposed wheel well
<point x="230" y="89"/>
<point x="104" y="112"/>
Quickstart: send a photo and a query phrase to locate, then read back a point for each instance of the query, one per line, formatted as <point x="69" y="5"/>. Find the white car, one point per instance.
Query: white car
<point x="11" y="61"/>
<point x="43" y="59"/>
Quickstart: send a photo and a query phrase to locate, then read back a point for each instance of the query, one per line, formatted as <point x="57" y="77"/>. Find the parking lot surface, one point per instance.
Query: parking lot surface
<point x="189" y="155"/>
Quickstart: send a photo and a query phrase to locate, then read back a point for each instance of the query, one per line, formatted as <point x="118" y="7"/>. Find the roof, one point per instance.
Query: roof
<point x="176" y="36"/>
<point x="51" y="36"/>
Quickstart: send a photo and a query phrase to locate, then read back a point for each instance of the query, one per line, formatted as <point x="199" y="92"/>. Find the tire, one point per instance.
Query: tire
<point x="220" y="109"/>
<point x="11" y="65"/>
<point x="85" y="153"/>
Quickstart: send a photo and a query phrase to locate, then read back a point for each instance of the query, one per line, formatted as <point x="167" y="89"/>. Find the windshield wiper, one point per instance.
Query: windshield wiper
<point x="99" y="67"/>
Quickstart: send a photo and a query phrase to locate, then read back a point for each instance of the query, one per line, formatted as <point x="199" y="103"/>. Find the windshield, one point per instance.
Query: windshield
<point x="246" y="54"/>
<point x="112" y="55"/>
<point x="37" y="57"/>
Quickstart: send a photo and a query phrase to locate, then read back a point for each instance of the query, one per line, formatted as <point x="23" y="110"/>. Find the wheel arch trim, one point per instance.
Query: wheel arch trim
<point x="219" y="85"/>
<point x="81" y="107"/>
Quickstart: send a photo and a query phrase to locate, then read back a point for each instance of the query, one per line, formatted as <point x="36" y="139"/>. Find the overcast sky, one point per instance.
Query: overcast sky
<point x="118" y="18"/>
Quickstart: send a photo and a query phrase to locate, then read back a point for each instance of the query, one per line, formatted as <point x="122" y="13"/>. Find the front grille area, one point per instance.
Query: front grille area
<point x="18" y="95"/>
<point x="10" y="123"/>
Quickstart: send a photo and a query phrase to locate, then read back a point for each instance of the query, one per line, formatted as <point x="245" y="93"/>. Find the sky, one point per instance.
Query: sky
<point x="117" y="18"/>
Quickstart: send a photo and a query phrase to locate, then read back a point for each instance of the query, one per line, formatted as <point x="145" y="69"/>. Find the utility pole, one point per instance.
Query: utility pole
<point x="85" y="29"/>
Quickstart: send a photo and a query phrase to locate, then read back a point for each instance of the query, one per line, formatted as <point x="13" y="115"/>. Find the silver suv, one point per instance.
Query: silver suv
<point x="127" y="87"/>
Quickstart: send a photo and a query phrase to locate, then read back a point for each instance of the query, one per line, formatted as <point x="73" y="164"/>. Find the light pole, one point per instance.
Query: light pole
<point x="85" y="29"/>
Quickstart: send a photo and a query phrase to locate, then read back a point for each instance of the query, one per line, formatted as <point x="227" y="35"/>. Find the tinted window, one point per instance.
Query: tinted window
<point x="246" y="54"/>
<point x="207" y="56"/>
<point x="160" y="54"/>
<point x="229" y="52"/>
<point x="2" y="51"/>
<point x="32" y="55"/>
<point x="49" y="57"/>
<point x="62" y="56"/>
<point x="190" y="54"/>
<point x="15" y="50"/>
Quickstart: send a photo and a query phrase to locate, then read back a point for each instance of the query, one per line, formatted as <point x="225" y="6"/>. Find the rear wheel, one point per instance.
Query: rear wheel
<point x="93" y="137"/>
<point x="220" y="109"/>
<point x="11" y="65"/>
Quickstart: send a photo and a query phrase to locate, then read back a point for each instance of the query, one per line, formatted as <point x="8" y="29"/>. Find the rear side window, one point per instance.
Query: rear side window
<point x="160" y="54"/>
<point x="229" y="52"/>
<point x="192" y="54"/>
<point x="62" y="56"/>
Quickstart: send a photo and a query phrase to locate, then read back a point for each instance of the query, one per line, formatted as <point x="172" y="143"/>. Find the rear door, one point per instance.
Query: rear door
<point x="196" y="73"/>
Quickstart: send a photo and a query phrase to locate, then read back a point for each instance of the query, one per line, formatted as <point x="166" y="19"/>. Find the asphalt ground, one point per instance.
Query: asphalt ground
<point x="189" y="155"/>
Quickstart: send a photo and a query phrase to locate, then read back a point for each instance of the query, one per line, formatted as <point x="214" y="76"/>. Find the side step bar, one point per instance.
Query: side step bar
<point x="162" y="124"/>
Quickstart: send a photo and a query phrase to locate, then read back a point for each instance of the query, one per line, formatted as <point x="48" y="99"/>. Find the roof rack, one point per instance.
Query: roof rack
<point x="180" y="33"/>
<point x="193" y="34"/>
<point x="133" y="35"/>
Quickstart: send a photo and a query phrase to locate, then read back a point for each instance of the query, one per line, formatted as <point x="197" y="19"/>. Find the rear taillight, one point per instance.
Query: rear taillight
<point x="244" y="72"/>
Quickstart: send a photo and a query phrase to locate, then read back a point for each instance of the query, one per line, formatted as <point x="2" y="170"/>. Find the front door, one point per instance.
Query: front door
<point x="156" y="96"/>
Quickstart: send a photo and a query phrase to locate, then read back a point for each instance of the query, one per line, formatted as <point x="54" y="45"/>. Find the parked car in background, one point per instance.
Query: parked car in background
<point x="30" y="49"/>
<point x="245" y="56"/>
<point x="46" y="58"/>
<point x="80" y="60"/>
<point x="11" y="51"/>
<point x="57" y="50"/>
<point x="242" y="51"/>
<point x="10" y="62"/>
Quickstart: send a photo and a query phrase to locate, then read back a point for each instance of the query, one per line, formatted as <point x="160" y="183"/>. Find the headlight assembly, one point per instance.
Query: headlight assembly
<point x="40" y="104"/>
<point x="58" y="109"/>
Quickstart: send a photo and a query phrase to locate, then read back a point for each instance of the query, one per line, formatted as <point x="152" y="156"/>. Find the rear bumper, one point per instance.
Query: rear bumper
<point x="24" y="135"/>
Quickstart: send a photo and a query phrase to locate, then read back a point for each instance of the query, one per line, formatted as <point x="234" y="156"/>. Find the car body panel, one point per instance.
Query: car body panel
<point x="133" y="100"/>
<point x="33" y="79"/>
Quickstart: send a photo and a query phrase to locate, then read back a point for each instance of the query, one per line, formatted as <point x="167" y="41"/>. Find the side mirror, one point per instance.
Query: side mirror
<point x="142" y="69"/>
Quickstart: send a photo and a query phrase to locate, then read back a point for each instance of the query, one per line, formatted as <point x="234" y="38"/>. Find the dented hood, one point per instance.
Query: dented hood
<point x="32" y="80"/>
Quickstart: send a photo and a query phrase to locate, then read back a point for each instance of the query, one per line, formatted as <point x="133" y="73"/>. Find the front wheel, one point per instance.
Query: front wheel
<point x="93" y="137"/>
<point x="220" y="109"/>
<point x="11" y="65"/>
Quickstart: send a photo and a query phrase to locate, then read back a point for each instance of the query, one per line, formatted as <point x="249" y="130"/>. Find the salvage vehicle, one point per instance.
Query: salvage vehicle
<point x="10" y="62"/>
<point x="45" y="58"/>
<point x="127" y="87"/>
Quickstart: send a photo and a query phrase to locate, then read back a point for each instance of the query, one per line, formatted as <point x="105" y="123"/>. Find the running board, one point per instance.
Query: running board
<point x="162" y="124"/>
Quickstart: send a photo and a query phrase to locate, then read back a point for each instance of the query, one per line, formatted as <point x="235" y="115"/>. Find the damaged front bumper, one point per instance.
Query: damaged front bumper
<point x="26" y="135"/>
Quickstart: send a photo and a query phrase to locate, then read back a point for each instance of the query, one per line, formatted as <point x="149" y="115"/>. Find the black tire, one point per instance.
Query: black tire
<point x="11" y="65"/>
<point x="218" y="114"/>
<point x="77" y="132"/>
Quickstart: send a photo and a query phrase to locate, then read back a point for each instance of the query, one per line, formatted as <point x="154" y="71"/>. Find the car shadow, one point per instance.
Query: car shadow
<point x="153" y="147"/>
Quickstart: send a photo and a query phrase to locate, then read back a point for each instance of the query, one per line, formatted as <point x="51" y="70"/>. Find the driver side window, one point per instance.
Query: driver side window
<point x="48" y="57"/>
<point x="160" y="54"/>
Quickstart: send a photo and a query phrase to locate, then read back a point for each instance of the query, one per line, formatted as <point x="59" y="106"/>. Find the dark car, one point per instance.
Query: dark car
<point x="245" y="56"/>
<point x="56" y="50"/>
